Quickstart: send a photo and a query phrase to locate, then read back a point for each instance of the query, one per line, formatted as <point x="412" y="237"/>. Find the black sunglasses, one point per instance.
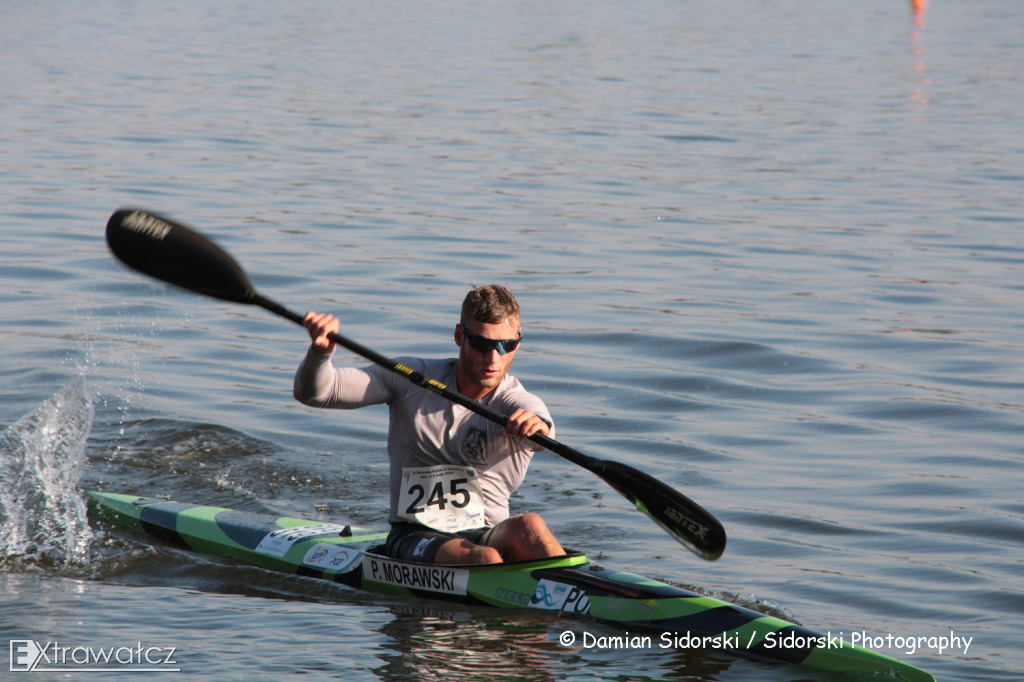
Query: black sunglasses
<point x="485" y="345"/>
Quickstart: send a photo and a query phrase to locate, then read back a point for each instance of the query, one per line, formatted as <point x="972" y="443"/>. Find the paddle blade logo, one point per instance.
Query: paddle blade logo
<point x="151" y="226"/>
<point x="696" y="529"/>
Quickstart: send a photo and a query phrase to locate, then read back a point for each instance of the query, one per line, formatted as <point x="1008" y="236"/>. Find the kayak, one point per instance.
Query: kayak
<point x="666" y="616"/>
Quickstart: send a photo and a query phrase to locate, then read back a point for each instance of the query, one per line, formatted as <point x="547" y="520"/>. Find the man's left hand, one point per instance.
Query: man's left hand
<point x="523" y="424"/>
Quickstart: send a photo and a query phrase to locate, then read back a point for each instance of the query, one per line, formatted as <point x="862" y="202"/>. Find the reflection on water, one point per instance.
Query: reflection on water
<point x="428" y="645"/>
<point x="917" y="8"/>
<point x="921" y="77"/>
<point x="432" y="643"/>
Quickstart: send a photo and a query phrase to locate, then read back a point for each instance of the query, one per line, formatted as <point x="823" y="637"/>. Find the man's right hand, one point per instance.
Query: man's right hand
<point x="319" y="326"/>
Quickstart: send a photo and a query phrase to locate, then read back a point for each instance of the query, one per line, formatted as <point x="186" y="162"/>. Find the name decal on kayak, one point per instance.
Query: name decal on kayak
<point x="416" y="576"/>
<point x="278" y="542"/>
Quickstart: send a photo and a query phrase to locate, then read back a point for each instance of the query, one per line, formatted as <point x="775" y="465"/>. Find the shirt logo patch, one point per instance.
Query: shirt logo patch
<point x="474" y="448"/>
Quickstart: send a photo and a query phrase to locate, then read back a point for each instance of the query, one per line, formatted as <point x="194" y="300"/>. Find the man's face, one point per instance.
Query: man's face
<point x="484" y="370"/>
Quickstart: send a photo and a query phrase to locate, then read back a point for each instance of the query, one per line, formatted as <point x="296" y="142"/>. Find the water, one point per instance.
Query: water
<point x="43" y="457"/>
<point x="769" y="253"/>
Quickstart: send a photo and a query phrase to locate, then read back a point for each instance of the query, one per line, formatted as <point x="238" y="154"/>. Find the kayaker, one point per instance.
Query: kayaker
<point x="452" y="471"/>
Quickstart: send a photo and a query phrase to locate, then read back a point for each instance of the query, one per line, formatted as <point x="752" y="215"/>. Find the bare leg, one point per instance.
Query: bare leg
<point x="524" y="537"/>
<point x="518" y="538"/>
<point x="458" y="551"/>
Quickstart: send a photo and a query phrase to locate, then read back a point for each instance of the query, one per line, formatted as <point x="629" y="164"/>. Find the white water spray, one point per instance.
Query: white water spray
<point x="42" y="512"/>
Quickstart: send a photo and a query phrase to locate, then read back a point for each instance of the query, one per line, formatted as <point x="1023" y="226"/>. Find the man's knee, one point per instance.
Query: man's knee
<point x="533" y="525"/>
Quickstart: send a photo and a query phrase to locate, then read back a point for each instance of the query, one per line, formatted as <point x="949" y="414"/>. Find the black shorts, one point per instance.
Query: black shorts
<point x="420" y="544"/>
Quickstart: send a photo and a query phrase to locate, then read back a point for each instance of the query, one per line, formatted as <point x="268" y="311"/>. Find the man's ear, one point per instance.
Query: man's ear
<point x="458" y="335"/>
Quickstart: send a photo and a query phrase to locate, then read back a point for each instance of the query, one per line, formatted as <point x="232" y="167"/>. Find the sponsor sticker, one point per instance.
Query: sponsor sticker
<point x="331" y="557"/>
<point x="554" y="596"/>
<point x="520" y="598"/>
<point x="278" y="542"/>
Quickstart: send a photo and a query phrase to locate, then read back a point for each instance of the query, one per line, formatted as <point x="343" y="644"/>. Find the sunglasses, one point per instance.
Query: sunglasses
<point x="485" y="345"/>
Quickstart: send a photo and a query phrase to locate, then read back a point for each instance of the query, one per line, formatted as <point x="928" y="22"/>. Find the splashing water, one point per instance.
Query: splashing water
<point x="42" y="514"/>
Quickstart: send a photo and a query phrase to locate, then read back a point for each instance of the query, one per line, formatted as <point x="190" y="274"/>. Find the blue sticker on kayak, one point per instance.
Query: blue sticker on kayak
<point x="332" y="557"/>
<point x="555" y="596"/>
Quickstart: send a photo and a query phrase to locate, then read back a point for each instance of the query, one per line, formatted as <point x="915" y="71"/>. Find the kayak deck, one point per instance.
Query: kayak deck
<point x="569" y="585"/>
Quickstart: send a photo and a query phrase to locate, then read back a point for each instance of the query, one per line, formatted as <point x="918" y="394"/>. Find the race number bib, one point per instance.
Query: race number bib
<point x="445" y="497"/>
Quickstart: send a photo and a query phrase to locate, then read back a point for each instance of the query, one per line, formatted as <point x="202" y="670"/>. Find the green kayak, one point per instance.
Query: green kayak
<point x="653" y="613"/>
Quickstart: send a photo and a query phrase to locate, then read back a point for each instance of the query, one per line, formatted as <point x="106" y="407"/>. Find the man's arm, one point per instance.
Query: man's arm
<point x="320" y="384"/>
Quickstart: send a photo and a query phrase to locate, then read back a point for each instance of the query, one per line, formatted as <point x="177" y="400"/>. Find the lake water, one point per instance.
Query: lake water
<point x="771" y="253"/>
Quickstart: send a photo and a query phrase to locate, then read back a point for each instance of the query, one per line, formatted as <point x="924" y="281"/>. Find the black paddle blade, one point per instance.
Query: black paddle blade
<point x="681" y="517"/>
<point x="169" y="251"/>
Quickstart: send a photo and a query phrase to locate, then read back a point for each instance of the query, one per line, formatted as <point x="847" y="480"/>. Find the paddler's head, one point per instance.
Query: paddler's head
<point x="487" y="335"/>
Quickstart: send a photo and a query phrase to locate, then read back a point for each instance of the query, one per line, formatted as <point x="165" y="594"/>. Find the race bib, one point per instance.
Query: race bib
<point x="445" y="497"/>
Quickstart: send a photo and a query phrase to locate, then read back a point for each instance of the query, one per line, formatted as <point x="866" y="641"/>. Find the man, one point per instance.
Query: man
<point x="452" y="471"/>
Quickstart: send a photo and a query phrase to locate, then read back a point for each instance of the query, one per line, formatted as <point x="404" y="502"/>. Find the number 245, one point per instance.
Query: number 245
<point x="437" y="497"/>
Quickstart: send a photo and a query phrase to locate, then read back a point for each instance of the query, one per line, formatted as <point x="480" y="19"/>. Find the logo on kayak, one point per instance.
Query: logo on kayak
<point x="331" y="557"/>
<point x="511" y="596"/>
<point x="560" y="597"/>
<point x="280" y="541"/>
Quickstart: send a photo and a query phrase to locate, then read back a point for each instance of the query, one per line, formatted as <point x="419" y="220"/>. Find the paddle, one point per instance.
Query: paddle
<point x="169" y="251"/>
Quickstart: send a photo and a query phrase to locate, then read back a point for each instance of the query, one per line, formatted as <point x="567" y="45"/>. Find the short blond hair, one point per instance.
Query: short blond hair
<point x="490" y="304"/>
